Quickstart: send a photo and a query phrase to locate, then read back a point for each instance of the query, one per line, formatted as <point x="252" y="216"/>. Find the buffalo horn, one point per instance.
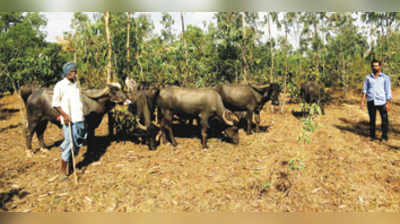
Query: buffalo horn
<point x="140" y="125"/>
<point x="224" y="116"/>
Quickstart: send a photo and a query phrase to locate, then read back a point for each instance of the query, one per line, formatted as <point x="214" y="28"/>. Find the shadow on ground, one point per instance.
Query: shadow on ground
<point x="360" y="128"/>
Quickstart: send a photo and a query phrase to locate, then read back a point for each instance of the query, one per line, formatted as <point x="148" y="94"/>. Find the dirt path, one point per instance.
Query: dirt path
<point x="340" y="170"/>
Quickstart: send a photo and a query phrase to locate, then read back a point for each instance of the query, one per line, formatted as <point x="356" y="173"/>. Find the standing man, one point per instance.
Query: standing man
<point x="67" y="101"/>
<point x="378" y="93"/>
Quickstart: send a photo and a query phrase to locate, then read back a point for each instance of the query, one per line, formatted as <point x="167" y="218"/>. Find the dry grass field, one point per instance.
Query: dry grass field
<point x="339" y="170"/>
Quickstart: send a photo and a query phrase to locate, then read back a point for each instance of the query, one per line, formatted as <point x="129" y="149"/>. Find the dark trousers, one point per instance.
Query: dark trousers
<point x="372" y="119"/>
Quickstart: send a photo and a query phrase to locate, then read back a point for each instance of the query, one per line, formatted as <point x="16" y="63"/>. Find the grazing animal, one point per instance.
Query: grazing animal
<point x="249" y="98"/>
<point x="313" y="92"/>
<point x="201" y="104"/>
<point x="96" y="102"/>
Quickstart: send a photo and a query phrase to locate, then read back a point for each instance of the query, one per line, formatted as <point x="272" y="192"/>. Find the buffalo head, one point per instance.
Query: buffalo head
<point x="232" y="131"/>
<point x="273" y="93"/>
<point x="116" y="94"/>
<point x="113" y="92"/>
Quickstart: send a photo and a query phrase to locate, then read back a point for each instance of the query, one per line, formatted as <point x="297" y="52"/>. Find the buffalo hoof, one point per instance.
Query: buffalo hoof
<point x="63" y="178"/>
<point x="174" y="144"/>
<point x="28" y="153"/>
<point x="43" y="150"/>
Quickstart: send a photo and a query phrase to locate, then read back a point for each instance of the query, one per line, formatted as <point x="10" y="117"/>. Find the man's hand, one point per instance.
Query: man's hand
<point x="65" y="116"/>
<point x="387" y="106"/>
<point x="67" y="119"/>
<point x="362" y="105"/>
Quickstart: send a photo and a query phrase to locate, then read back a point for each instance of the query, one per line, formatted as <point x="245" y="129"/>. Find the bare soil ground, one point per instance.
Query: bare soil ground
<point x="340" y="170"/>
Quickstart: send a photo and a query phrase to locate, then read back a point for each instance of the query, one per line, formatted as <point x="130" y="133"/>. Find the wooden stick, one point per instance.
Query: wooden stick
<point x="72" y="145"/>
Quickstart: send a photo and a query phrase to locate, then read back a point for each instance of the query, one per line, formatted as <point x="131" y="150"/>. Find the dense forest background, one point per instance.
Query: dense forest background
<point x="333" y="48"/>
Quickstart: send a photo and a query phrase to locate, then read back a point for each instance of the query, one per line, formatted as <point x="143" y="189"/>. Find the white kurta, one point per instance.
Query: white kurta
<point x="67" y="96"/>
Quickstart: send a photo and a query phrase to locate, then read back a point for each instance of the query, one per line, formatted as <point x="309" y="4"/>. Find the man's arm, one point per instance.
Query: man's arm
<point x="388" y="93"/>
<point x="363" y="98"/>
<point x="65" y="116"/>
<point x="364" y="94"/>
<point x="56" y="103"/>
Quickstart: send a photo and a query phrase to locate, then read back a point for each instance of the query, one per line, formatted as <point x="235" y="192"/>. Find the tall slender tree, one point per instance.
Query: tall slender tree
<point x="269" y="18"/>
<point x="109" y="48"/>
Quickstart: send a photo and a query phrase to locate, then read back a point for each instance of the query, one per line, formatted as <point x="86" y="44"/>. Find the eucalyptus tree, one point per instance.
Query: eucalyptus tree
<point x="128" y="47"/>
<point x="229" y="37"/>
<point x="166" y="32"/>
<point x="311" y="41"/>
<point x="269" y="18"/>
<point x="86" y="45"/>
<point x="383" y="23"/>
<point x="381" y="26"/>
<point x="288" y="21"/>
<point x="250" y="39"/>
<point x="346" y="46"/>
<point x="109" y="48"/>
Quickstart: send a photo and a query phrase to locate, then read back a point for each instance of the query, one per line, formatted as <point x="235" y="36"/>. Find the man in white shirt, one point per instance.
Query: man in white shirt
<point x="67" y="101"/>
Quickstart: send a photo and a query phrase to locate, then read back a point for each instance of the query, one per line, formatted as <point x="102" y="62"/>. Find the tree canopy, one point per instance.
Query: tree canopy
<point x="335" y="48"/>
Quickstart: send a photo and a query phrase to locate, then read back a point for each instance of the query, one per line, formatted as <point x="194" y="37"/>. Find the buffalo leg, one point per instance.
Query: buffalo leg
<point x="163" y="130"/>
<point x="167" y="126"/>
<point x="249" y="120"/>
<point x="150" y="138"/>
<point x="32" y="125"/>
<point x="204" y="126"/>
<point x="40" y="131"/>
<point x="110" y="125"/>
<point x="90" y="138"/>
<point x="257" y="118"/>
<point x="321" y="106"/>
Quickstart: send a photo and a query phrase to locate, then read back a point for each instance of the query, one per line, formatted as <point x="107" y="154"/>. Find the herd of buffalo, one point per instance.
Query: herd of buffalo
<point x="225" y="102"/>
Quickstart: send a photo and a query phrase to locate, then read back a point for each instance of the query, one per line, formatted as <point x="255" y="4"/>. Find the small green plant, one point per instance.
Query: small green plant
<point x="268" y="185"/>
<point x="296" y="164"/>
<point x="310" y="123"/>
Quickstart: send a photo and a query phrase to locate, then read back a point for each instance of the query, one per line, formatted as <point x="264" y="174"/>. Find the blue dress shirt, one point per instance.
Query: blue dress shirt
<point x="377" y="90"/>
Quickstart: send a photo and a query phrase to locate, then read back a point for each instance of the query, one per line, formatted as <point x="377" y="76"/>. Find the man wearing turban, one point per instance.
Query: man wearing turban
<point x="67" y="101"/>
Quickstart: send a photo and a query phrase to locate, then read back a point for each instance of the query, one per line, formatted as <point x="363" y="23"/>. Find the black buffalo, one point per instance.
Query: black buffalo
<point x="313" y="92"/>
<point x="201" y="104"/>
<point x="143" y="106"/>
<point x="248" y="98"/>
<point x="96" y="102"/>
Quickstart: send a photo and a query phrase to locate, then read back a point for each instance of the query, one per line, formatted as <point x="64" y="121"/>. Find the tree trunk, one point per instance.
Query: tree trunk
<point x="244" y="59"/>
<point x="286" y="60"/>
<point x="21" y="105"/>
<point x="270" y="49"/>
<point x="283" y="98"/>
<point x="316" y="54"/>
<point x="185" y="69"/>
<point x="128" y="51"/>
<point x="109" y="54"/>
